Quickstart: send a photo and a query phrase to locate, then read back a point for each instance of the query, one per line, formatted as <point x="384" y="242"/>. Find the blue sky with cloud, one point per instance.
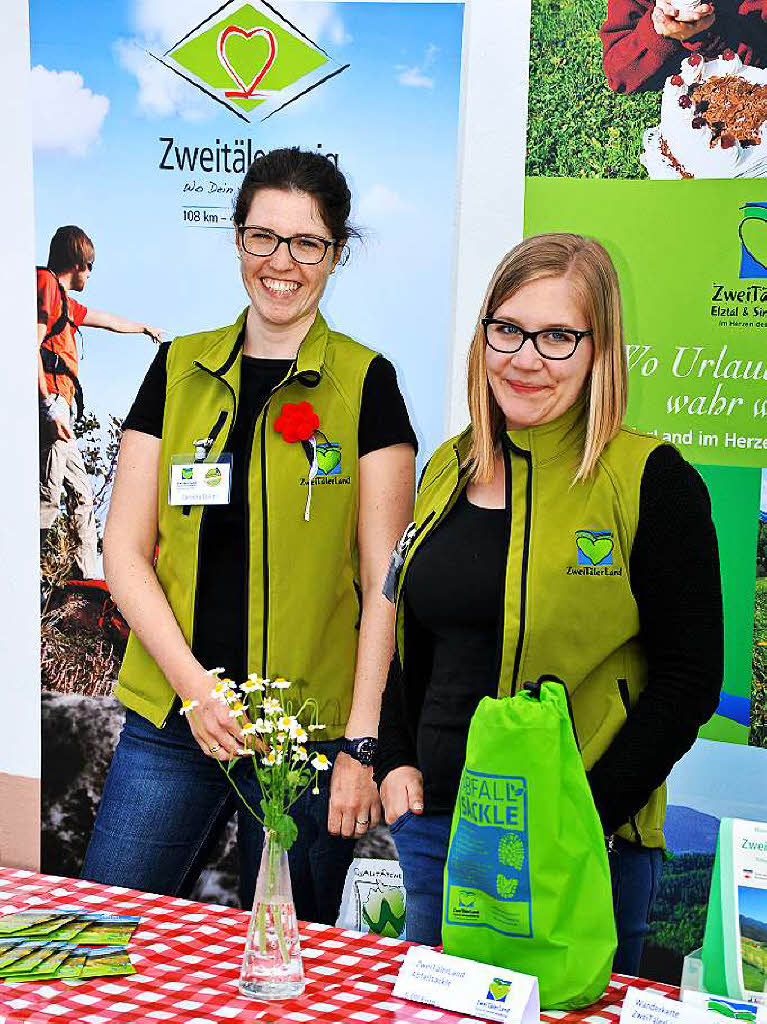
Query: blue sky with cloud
<point x="102" y="105"/>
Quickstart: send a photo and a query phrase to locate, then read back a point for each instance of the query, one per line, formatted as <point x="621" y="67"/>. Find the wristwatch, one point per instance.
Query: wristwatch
<point x="363" y="750"/>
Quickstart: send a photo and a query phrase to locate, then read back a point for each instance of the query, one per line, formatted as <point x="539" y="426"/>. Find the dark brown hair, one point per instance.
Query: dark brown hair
<point x="303" y="171"/>
<point x="70" y="249"/>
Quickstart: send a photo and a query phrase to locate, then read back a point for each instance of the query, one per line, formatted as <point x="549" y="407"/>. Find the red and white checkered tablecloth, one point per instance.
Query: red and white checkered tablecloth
<point x="187" y="956"/>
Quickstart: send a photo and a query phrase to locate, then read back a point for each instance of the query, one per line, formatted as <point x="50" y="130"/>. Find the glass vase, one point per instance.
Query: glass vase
<point x="272" y="967"/>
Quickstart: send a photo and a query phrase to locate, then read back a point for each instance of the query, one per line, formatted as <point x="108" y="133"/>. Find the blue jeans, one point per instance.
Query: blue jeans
<point x="165" y="804"/>
<point x="422" y="843"/>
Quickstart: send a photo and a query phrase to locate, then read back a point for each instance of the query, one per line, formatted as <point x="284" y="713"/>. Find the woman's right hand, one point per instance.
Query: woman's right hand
<point x="671" y="23"/>
<point x="219" y="735"/>
<point x="401" y="791"/>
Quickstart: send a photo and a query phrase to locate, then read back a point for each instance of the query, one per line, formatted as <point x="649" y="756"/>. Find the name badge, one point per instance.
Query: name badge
<point x="200" y="483"/>
<point x="466" y="987"/>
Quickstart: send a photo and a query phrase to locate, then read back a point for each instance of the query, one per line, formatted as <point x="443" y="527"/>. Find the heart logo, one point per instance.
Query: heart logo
<point x="246" y="91"/>
<point x="327" y="458"/>
<point x="753" y="235"/>
<point x="594" y="548"/>
<point x="499" y="989"/>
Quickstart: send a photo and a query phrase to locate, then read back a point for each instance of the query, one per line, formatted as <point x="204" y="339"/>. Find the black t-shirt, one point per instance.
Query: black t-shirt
<point x="220" y="635"/>
<point x="674" y="572"/>
<point x="454" y="592"/>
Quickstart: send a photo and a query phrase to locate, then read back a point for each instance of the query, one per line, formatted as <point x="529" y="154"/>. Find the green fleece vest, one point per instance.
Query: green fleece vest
<point x="304" y="596"/>
<point x="568" y="606"/>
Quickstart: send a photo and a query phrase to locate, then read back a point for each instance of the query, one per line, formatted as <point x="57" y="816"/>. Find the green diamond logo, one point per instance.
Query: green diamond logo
<point x="247" y="57"/>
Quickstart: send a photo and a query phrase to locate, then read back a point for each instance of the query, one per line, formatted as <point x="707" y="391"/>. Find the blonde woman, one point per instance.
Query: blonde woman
<point x="551" y="539"/>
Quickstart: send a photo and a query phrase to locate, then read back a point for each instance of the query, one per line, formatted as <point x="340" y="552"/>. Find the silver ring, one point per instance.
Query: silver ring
<point x="214" y="747"/>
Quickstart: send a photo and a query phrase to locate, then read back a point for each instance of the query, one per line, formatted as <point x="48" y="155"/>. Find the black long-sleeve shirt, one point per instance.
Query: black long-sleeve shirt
<point x="454" y="588"/>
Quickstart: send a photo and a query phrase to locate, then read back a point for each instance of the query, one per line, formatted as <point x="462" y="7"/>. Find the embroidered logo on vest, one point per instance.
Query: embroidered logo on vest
<point x="595" y="547"/>
<point x="328" y="458"/>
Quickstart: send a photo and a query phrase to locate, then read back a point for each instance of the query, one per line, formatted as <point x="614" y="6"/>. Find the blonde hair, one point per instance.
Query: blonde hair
<point x="588" y="267"/>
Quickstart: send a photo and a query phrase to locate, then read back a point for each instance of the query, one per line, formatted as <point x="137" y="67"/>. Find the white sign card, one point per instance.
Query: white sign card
<point x="643" y="1006"/>
<point x="464" y="986"/>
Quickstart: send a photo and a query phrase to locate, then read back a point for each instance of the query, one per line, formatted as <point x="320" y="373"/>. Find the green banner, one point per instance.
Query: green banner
<point x="696" y="336"/>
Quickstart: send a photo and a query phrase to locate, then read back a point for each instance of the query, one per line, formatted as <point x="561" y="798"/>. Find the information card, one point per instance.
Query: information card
<point x="465" y="986"/>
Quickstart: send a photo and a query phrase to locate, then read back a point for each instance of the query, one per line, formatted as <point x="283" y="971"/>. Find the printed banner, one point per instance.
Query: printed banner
<point x="144" y="127"/>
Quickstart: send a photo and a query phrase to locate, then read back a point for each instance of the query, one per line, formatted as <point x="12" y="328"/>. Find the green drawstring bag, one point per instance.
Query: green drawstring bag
<point x="527" y="880"/>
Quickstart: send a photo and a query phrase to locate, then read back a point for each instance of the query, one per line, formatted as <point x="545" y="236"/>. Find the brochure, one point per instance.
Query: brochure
<point x="735" y="943"/>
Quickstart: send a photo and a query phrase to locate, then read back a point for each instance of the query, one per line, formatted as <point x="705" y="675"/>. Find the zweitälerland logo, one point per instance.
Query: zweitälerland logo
<point x="753" y="240"/>
<point x="498" y="990"/>
<point x="328" y="457"/>
<point x="247" y="55"/>
<point x="595" y="547"/>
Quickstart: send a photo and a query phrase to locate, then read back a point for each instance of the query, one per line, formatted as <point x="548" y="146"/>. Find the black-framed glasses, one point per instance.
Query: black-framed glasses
<point x="308" y="249"/>
<point x="551" y="343"/>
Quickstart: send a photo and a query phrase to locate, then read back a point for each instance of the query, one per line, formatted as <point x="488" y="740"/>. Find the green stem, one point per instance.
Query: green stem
<point x="275" y="852"/>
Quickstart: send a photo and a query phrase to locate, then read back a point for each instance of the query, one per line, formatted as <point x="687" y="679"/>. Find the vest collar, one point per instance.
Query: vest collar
<point x="551" y="440"/>
<point x="223" y="357"/>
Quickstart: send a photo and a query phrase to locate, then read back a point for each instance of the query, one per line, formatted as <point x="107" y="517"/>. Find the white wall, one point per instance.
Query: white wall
<point x="491" y="181"/>
<point x="19" y="520"/>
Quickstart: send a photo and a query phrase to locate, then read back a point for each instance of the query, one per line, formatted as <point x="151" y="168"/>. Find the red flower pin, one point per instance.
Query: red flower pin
<point x="297" y="421"/>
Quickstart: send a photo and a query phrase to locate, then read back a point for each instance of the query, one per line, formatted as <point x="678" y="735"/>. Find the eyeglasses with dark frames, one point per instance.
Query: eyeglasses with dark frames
<point x="551" y="343"/>
<point x="307" y="249"/>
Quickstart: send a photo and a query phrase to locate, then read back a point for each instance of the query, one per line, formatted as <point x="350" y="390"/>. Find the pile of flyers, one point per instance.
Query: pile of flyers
<point x="43" y="945"/>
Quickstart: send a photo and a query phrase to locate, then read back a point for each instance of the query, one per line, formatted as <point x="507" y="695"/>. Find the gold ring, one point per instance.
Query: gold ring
<point x="214" y="747"/>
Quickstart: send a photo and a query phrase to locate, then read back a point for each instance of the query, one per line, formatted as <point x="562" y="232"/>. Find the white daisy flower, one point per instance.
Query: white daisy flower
<point x="271" y="706"/>
<point x="215" y="671"/>
<point x="281" y="684"/>
<point x="219" y="691"/>
<point x="300" y="754"/>
<point x="187" y="706"/>
<point x="299" y="734"/>
<point x="237" y="710"/>
<point x="252" y="684"/>
<point x="320" y="763"/>
<point x="263" y="726"/>
<point x="249" y="730"/>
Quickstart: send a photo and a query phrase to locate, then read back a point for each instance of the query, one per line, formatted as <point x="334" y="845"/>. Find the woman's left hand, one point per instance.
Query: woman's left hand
<point x="354" y="804"/>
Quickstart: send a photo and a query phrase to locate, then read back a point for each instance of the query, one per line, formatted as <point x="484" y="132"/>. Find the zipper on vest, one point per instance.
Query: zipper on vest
<point x="309" y="378"/>
<point x="265" y="553"/>
<point x="205" y="507"/>
<point x="525" y="563"/>
<point x="507" y="537"/>
<point x="421" y="529"/>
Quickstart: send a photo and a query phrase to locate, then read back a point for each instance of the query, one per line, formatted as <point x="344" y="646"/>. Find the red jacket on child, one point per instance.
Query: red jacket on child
<point x="635" y="57"/>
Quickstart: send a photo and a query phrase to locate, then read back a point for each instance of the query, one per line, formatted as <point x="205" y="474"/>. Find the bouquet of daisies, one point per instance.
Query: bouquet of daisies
<point x="284" y="767"/>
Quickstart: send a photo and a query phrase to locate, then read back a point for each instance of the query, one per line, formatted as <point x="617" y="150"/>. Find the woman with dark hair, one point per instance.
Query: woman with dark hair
<point x="284" y="580"/>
